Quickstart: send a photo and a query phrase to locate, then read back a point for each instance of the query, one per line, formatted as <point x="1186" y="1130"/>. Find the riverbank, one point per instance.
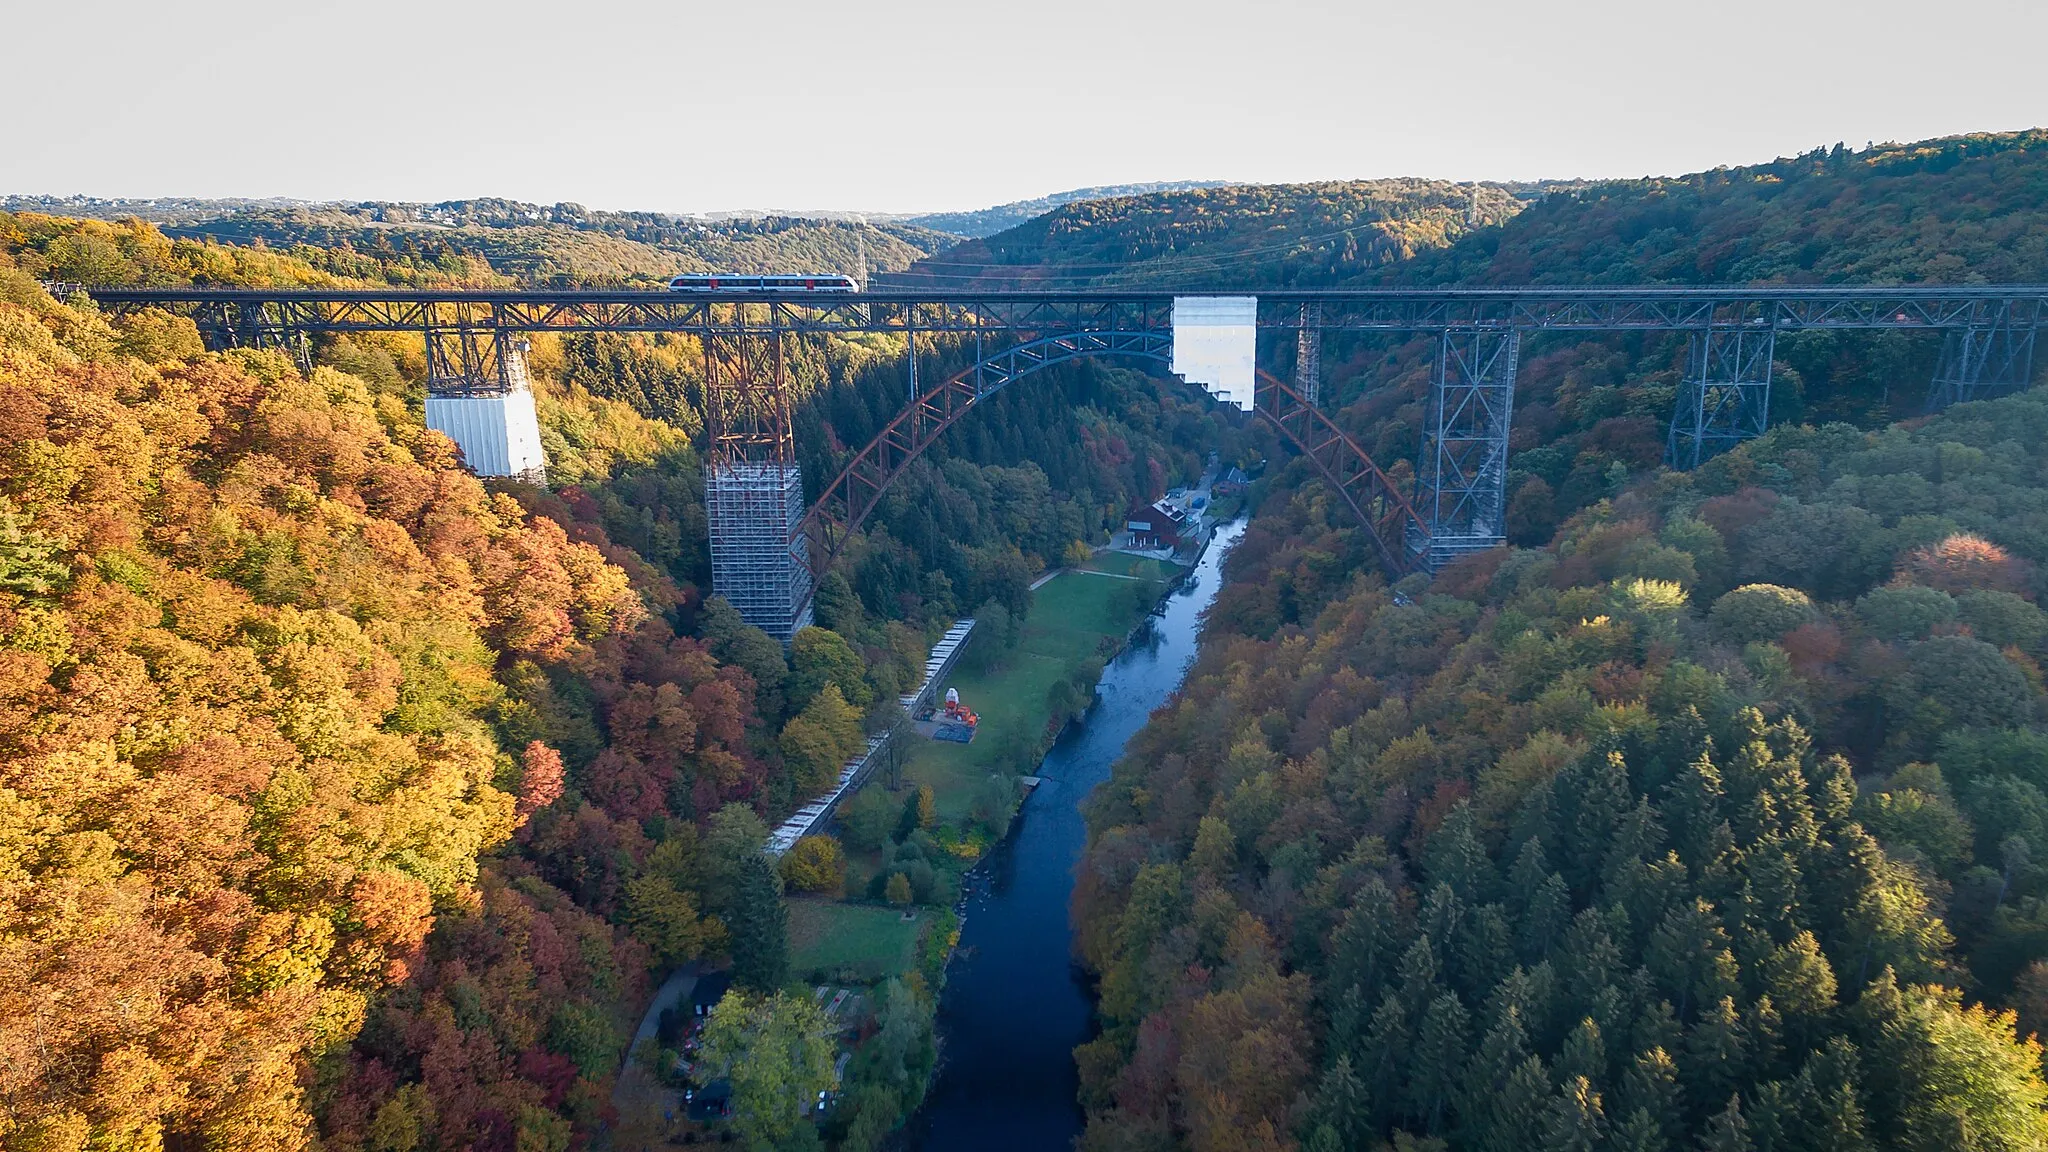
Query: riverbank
<point x="1012" y="1008"/>
<point x="1024" y="696"/>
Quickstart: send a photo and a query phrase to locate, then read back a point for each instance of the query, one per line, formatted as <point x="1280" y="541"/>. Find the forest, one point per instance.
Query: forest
<point x="1712" y="822"/>
<point x="567" y="245"/>
<point x="475" y="243"/>
<point x="348" y="800"/>
<point x="1001" y="217"/>
<point x="1704" y="815"/>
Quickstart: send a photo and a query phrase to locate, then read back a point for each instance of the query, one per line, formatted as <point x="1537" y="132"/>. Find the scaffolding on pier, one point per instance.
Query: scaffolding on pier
<point x="753" y="489"/>
<point x="757" y="560"/>
<point x="1308" y="354"/>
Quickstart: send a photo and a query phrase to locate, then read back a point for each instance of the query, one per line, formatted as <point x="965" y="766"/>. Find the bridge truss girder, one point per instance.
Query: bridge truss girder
<point x="1656" y="308"/>
<point x="747" y="414"/>
<point x="1462" y="475"/>
<point x="474" y="362"/>
<point x="252" y="324"/>
<point x="1725" y="397"/>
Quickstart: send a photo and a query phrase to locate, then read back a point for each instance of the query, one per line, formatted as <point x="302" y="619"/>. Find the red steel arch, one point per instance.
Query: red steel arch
<point x="1386" y="514"/>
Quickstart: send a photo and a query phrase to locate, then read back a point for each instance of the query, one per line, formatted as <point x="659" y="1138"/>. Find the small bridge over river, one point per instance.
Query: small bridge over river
<point x="769" y="547"/>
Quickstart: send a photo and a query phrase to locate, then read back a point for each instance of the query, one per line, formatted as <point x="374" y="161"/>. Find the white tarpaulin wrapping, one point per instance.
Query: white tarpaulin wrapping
<point x="1215" y="343"/>
<point x="499" y="435"/>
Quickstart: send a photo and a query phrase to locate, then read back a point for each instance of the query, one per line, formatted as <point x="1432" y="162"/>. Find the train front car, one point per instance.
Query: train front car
<point x="728" y="282"/>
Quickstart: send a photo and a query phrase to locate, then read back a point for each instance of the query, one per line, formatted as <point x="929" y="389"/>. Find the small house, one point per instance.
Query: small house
<point x="1156" y="525"/>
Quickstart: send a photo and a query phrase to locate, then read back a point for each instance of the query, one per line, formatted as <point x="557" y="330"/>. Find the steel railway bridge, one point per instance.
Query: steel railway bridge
<point x="768" y="551"/>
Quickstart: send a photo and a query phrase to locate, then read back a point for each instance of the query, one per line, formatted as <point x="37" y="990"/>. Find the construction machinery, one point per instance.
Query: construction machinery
<point x="957" y="722"/>
<point x="957" y="712"/>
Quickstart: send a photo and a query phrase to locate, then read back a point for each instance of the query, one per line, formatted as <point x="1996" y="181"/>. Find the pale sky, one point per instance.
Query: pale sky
<point x="910" y="105"/>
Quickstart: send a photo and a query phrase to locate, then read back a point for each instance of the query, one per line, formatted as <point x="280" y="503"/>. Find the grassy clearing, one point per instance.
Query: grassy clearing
<point x="1075" y="618"/>
<point x="1125" y="564"/>
<point x="854" y="943"/>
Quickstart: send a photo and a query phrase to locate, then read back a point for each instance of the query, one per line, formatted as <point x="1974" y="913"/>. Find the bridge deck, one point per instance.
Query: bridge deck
<point x="1598" y="308"/>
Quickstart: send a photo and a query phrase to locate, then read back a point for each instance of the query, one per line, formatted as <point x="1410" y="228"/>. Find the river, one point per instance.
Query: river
<point x="1015" y="1006"/>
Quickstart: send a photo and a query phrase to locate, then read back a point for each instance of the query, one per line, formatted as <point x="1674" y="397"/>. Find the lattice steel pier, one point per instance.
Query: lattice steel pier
<point x="1461" y="486"/>
<point x="1726" y="396"/>
<point x="1994" y="355"/>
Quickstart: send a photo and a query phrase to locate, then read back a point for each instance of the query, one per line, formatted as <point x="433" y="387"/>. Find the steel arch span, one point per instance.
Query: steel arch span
<point x="854" y="493"/>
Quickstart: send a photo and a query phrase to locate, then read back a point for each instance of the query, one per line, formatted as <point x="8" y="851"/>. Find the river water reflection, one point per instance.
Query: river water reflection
<point x="1014" y="1006"/>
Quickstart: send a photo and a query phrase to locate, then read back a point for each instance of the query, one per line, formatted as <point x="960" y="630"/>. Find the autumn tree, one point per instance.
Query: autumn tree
<point x="819" y="740"/>
<point x="776" y="1050"/>
<point x="819" y="657"/>
<point x="814" y="864"/>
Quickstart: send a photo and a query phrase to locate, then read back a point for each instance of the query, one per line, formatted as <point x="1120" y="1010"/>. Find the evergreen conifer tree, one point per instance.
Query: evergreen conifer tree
<point x="760" y="928"/>
<point x="1574" y="1120"/>
<point x="1439" y="1062"/>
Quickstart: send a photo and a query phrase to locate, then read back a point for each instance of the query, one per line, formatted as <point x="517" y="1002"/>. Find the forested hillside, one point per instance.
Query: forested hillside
<point x="1955" y="210"/>
<point x="988" y="221"/>
<point x="1708" y="815"/>
<point x="569" y="245"/>
<point x="344" y="798"/>
<point x="131" y="251"/>
<point x="278" y="674"/>
<point x="153" y="210"/>
<point x="1716" y="822"/>
<point x="1231" y="236"/>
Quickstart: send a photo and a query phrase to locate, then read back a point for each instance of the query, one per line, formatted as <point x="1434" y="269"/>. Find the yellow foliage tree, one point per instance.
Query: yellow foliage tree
<point x="814" y="864"/>
<point x="816" y="741"/>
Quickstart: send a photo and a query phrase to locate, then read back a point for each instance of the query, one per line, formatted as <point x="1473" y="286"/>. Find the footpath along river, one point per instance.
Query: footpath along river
<point x="1014" y="1005"/>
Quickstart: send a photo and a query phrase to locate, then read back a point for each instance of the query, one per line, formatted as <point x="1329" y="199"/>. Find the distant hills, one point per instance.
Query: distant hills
<point x="1955" y="209"/>
<point x="155" y="209"/>
<point x="568" y="244"/>
<point x="1951" y="209"/>
<point x="988" y="221"/>
<point x="1253" y="234"/>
